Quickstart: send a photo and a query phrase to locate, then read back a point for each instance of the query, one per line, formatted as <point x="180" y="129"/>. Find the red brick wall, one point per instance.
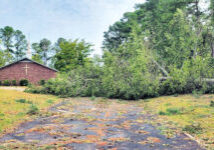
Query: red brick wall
<point x="35" y="72"/>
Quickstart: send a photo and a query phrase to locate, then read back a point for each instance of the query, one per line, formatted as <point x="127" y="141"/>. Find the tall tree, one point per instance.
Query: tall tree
<point x="6" y="35"/>
<point x="20" y="44"/>
<point x="14" y="42"/>
<point x="72" y="54"/>
<point x="181" y="40"/>
<point x="210" y="33"/>
<point x="43" y="49"/>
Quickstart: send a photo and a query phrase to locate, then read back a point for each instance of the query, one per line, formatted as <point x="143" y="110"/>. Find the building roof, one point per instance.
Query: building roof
<point x="27" y="59"/>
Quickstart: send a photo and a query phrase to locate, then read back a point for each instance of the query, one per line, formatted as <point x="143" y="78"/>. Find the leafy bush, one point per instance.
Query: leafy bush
<point x="33" y="110"/>
<point x="128" y="77"/>
<point x="13" y="82"/>
<point x="212" y="104"/>
<point x="162" y="113"/>
<point x="79" y="82"/>
<point x="6" y="83"/>
<point x="24" y="82"/>
<point x="129" y="73"/>
<point x="42" y="82"/>
<point x="0" y="83"/>
<point x="93" y="98"/>
<point x="187" y="79"/>
<point x="35" y="89"/>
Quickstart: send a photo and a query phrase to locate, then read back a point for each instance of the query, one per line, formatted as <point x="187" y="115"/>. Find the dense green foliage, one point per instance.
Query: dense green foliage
<point x="163" y="47"/>
<point x="13" y="45"/>
<point x="43" y="50"/>
<point x="24" y="82"/>
<point x="71" y="54"/>
<point x="6" y="83"/>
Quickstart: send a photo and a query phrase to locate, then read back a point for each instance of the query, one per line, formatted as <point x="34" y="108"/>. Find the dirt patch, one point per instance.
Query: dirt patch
<point x="83" y="124"/>
<point x="16" y="88"/>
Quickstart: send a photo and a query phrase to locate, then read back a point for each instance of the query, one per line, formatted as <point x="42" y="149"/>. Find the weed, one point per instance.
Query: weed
<point x="92" y="98"/>
<point x="20" y="114"/>
<point x="168" y="104"/>
<point x="33" y="110"/>
<point x="50" y="101"/>
<point x="193" y="129"/>
<point x="162" y="113"/>
<point x="23" y="101"/>
<point x="171" y="111"/>
<point x="197" y="94"/>
<point x="212" y="104"/>
<point x="176" y="95"/>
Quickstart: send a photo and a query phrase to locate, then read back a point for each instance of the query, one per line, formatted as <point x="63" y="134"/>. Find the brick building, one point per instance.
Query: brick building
<point x="26" y="69"/>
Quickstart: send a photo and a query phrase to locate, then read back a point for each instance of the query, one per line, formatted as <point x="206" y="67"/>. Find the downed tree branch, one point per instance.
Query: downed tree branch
<point x="161" y="68"/>
<point x="208" y="80"/>
<point x="202" y="79"/>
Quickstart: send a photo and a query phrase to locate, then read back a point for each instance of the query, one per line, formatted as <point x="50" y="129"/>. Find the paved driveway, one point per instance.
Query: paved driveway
<point x="82" y="124"/>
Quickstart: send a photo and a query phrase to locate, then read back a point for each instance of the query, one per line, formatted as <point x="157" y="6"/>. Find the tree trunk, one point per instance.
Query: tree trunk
<point x="212" y="49"/>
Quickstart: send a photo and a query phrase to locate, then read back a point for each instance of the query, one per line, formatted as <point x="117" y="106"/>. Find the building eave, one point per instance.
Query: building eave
<point x="30" y="61"/>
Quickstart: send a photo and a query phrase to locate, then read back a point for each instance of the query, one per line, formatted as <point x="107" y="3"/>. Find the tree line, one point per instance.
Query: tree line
<point x="163" y="47"/>
<point x="62" y="55"/>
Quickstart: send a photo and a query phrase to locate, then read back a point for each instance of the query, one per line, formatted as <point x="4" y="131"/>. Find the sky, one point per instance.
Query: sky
<point x="70" y="19"/>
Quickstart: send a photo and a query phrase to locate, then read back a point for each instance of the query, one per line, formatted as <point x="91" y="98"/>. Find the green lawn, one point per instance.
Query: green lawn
<point x="188" y="113"/>
<point x="16" y="104"/>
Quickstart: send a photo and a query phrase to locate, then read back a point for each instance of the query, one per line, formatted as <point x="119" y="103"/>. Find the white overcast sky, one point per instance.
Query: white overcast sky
<point x="71" y="19"/>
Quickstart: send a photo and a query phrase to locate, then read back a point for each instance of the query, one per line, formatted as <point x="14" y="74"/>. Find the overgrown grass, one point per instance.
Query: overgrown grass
<point x="171" y="111"/>
<point x="18" y="106"/>
<point x="190" y="113"/>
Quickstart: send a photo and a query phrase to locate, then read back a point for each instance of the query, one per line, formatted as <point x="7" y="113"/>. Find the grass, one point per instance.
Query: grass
<point x="189" y="113"/>
<point x="17" y="107"/>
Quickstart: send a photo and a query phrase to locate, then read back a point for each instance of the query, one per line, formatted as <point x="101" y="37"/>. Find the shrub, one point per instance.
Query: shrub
<point x="24" y="82"/>
<point x="35" y="89"/>
<point x="0" y="83"/>
<point x="33" y="110"/>
<point x="124" y="77"/>
<point x="42" y="82"/>
<point x="6" y="83"/>
<point x="13" y="82"/>
<point x="92" y="98"/>
<point x="84" y="81"/>
<point x="162" y="113"/>
<point x="212" y="104"/>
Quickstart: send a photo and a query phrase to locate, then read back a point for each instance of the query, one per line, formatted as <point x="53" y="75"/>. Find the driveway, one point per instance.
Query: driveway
<point x="83" y="124"/>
